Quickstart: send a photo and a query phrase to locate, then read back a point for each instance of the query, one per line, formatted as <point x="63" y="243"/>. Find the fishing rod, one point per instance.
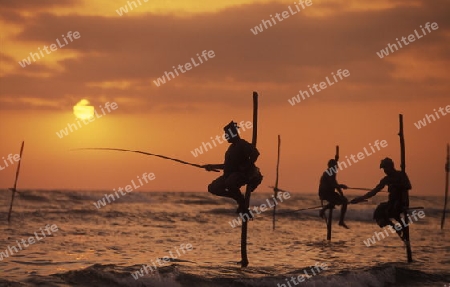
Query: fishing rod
<point x="292" y="211"/>
<point x="301" y="209"/>
<point x="308" y="208"/>
<point x="360" y="188"/>
<point x="147" y="153"/>
<point x="355" y="188"/>
<point x="278" y="189"/>
<point x="363" y="188"/>
<point x="320" y="206"/>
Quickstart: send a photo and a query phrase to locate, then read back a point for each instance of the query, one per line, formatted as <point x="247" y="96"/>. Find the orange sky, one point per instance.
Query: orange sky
<point x="117" y="58"/>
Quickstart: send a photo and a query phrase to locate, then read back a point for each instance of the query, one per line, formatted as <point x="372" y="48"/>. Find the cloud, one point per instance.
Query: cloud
<point x="299" y="51"/>
<point x="31" y="4"/>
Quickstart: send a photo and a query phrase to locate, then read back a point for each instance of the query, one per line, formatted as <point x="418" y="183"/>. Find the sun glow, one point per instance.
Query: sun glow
<point x="83" y="110"/>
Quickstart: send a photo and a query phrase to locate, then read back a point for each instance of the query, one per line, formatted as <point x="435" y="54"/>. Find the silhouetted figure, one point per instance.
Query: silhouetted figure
<point x="327" y="187"/>
<point x="398" y="184"/>
<point x="238" y="168"/>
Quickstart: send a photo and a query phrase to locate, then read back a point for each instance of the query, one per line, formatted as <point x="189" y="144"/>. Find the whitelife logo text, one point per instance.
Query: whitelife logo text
<point x="38" y="236"/>
<point x="187" y="67"/>
<point x="423" y="123"/>
<point x="73" y="127"/>
<point x="225" y="136"/>
<point x="145" y="177"/>
<point x="26" y="62"/>
<point x="385" y="52"/>
<point x="318" y="88"/>
<point x="285" y="14"/>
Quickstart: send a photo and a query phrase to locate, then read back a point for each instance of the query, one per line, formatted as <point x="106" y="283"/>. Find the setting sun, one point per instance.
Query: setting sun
<point x="82" y="110"/>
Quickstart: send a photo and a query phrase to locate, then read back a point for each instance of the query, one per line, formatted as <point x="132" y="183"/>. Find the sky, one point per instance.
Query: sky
<point x="114" y="58"/>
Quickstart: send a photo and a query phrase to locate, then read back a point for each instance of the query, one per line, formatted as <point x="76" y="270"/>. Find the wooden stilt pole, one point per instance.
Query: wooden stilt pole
<point x="405" y="195"/>
<point x="275" y="190"/>
<point x="336" y="156"/>
<point x="329" y="223"/>
<point x="13" y="190"/>
<point x="244" y="258"/>
<point x="447" y="169"/>
<point x="330" y="212"/>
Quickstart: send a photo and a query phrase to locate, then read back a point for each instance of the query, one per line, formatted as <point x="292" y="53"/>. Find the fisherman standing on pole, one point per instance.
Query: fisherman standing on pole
<point x="398" y="184"/>
<point x="238" y="169"/>
<point x="327" y="187"/>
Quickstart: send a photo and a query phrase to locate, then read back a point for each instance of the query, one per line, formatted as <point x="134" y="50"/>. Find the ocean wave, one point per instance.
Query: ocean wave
<point x="175" y="275"/>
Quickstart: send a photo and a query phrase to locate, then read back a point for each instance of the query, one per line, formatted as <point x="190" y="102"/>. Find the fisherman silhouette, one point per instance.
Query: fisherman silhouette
<point x="327" y="186"/>
<point x="398" y="184"/>
<point x="238" y="169"/>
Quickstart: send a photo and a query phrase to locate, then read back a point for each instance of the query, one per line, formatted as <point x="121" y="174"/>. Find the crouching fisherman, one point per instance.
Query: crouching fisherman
<point x="398" y="185"/>
<point x="238" y="169"/>
<point x="327" y="187"/>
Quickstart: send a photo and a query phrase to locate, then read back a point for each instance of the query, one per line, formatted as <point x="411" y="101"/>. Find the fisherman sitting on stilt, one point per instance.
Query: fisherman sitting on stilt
<point x="398" y="184"/>
<point x="238" y="169"/>
<point x="327" y="187"/>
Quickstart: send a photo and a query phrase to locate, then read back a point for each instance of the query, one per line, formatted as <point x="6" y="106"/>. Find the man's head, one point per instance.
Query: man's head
<point x="332" y="163"/>
<point x="387" y="165"/>
<point x="231" y="132"/>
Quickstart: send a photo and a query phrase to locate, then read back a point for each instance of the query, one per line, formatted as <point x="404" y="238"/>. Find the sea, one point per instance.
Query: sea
<point x="177" y="239"/>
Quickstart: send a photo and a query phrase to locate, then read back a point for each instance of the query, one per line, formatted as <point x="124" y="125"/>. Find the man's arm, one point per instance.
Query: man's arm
<point x="339" y="188"/>
<point x="407" y="183"/>
<point x="248" y="155"/>
<point x="210" y="167"/>
<point x="248" y="150"/>
<point x="253" y="153"/>
<point x="336" y="185"/>
<point x="406" y="187"/>
<point x="371" y="193"/>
